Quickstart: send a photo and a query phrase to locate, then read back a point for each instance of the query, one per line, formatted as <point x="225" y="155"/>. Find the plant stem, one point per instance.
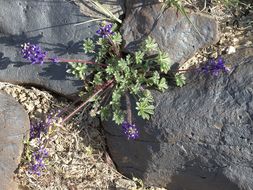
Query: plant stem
<point x="114" y="46"/>
<point x="109" y="83"/>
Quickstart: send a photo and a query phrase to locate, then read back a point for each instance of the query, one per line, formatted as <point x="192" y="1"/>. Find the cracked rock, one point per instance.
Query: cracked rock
<point x="200" y="137"/>
<point x="172" y="31"/>
<point x="14" y="124"/>
<point x="51" y="24"/>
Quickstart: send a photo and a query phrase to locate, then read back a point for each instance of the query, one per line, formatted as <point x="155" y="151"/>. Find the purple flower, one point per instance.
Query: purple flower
<point x="130" y="130"/>
<point x="33" y="53"/>
<point x="105" y="30"/>
<point x="36" y="129"/>
<point x="37" y="163"/>
<point x="41" y="127"/>
<point x="214" y="68"/>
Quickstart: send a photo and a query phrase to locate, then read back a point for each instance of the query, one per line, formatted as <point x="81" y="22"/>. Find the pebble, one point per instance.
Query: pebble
<point x="230" y="50"/>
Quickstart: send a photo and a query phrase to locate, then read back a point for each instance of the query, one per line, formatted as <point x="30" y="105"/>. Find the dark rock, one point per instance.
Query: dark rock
<point x="14" y="125"/>
<point x="172" y="31"/>
<point x="50" y="24"/>
<point x="200" y="136"/>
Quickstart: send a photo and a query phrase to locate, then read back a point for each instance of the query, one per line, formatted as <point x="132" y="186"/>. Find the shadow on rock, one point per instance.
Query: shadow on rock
<point x="4" y="61"/>
<point x="196" y="176"/>
<point x="17" y="40"/>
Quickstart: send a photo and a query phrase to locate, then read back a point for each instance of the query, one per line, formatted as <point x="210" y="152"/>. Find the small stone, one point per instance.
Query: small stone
<point x="230" y="50"/>
<point x="29" y="107"/>
<point x="23" y="99"/>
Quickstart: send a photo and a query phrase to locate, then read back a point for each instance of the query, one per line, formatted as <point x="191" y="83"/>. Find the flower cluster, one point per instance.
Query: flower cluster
<point x="33" y="53"/>
<point x="41" y="127"/>
<point x="37" y="164"/>
<point x="105" y="30"/>
<point x="130" y="130"/>
<point x="214" y="68"/>
<point x="37" y="129"/>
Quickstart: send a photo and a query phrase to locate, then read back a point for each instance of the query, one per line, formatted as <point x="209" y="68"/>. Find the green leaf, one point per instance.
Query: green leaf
<point x="138" y="57"/>
<point x="98" y="78"/>
<point x="123" y="65"/>
<point x="155" y="78"/>
<point x="78" y="69"/>
<point x="117" y="38"/>
<point x="145" y="109"/>
<point x="118" y="117"/>
<point x="164" y="61"/>
<point x="180" y="79"/>
<point x="88" y="46"/>
<point x="150" y="44"/>
<point x="148" y="96"/>
<point x="162" y="85"/>
<point x="135" y="89"/>
<point x="116" y="95"/>
<point x="105" y="112"/>
<point x="110" y="69"/>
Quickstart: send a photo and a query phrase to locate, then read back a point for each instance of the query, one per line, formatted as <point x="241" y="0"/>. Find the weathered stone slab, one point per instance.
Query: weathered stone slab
<point x="117" y="7"/>
<point x="14" y="125"/>
<point x="200" y="136"/>
<point x="172" y="31"/>
<point x="50" y="24"/>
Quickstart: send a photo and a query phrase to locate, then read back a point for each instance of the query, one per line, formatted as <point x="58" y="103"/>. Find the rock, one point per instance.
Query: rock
<point x="117" y="7"/>
<point x="51" y="24"/>
<point x="14" y="124"/>
<point x="172" y="31"/>
<point x="200" y="136"/>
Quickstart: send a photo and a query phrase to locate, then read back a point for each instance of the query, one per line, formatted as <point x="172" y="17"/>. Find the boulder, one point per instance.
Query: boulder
<point x="51" y="24"/>
<point x="200" y="137"/>
<point x="117" y="7"/>
<point x="171" y="30"/>
<point x="14" y="126"/>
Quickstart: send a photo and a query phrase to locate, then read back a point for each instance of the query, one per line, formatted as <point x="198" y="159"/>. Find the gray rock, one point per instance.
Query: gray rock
<point x="50" y="24"/>
<point x="172" y="31"/>
<point x="117" y="7"/>
<point x="14" y="125"/>
<point x="200" y="136"/>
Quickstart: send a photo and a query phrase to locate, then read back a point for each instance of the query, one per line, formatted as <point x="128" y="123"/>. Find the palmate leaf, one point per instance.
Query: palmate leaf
<point x="145" y="109"/>
<point x="148" y="96"/>
<point x="162" y="85"/>
<point x="116" y="38"/>
<point x="118" y="117"/>
<point x="138" y="57"/>
<point x="163" y="59"/>
<point x="150" y="44"/>
<point x="88" y="46"/>
<point x="180" y="79"/>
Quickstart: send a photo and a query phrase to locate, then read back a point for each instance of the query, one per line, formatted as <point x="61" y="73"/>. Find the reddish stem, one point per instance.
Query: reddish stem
<point x="109" y="83"/>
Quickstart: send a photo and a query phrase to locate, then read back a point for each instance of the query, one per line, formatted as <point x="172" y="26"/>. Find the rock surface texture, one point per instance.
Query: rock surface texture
<point x="200" y="137"/>
<point x="14" y="124"/>
<point x="115" y="6"/>
<point x="51" y="24"/>
<point x="172" y="31"/>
